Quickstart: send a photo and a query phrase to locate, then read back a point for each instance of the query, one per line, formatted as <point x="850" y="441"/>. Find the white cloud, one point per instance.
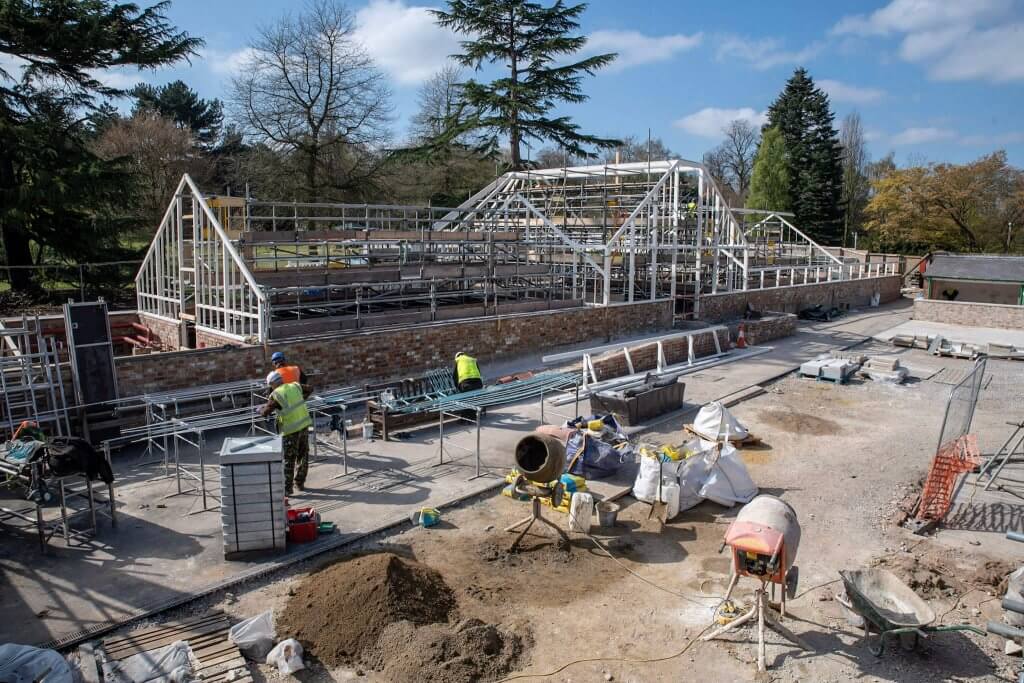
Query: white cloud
<point x="763" y="53"/>
<point x="844" y="92"/>
<point x="919" y="136"/>
<point x="635" y="48"/>
<point x="963" y="40"/>
<point x="405" y="40"/>
<point x="709" y="122"/>
<point x="908" y="16"/>
<point x="227" y="63"/>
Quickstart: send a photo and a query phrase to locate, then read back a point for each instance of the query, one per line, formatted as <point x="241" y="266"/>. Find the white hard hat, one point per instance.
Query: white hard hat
<point x="274" y="378"/>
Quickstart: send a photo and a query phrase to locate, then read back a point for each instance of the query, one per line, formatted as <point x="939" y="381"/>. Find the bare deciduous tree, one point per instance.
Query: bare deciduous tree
<point x="309" y="89"/>
<point x="158" y="152"/>
<point x="738" y="149"/>
<point x="856" y="185"/>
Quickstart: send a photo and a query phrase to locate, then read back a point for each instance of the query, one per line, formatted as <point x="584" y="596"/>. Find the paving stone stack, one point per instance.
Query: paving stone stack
<point x="252" y="494"/>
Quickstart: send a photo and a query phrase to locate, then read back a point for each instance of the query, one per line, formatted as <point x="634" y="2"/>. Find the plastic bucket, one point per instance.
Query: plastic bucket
<point x="607" y="513"/>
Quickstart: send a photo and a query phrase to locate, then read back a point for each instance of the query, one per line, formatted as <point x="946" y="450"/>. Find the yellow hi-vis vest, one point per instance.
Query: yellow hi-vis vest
<point x="293" y="415"/>
<point x="466" y="368"/>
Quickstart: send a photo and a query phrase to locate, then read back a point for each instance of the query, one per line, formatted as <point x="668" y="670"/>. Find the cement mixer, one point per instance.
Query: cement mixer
<point x="763" y="539"/>
<point x="540" y="459"/>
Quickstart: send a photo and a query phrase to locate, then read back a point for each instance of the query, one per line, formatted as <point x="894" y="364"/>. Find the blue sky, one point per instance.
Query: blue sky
<point x="933" y="80"/>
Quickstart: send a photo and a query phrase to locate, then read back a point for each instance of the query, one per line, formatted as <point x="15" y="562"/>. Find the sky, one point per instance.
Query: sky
<point x="933" y="80"/>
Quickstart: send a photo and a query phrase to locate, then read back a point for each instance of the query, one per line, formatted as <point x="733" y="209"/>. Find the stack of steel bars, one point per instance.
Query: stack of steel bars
<point x="494" y="395"/>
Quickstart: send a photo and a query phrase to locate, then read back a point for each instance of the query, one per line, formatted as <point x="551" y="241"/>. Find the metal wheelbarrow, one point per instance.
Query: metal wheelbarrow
<point x="892" y="608"/>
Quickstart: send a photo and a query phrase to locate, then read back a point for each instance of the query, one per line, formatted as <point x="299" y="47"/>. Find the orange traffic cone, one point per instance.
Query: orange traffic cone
<point x="741" y="339"/>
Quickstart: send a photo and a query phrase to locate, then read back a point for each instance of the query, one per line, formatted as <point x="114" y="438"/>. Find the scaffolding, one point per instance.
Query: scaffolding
<point x="244" y="269"/>
<point x="31" y="380"/>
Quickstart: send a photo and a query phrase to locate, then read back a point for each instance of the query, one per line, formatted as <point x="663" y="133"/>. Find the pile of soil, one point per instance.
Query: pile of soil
<point x="468" y="651"/>
<point x="933" y="574"/>
<point x="339" y="612"/>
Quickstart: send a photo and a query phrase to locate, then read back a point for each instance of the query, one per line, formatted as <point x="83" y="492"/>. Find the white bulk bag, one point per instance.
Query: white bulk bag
<point x="728" y="481"/>
<point x="645" y="488"/>
<point x="715" y="423"/>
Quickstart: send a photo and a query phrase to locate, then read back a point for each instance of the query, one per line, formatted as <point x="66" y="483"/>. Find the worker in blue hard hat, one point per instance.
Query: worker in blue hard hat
<point x="289" y="373"/>
<point x="288" y="400"/>
<point x="466" y="373"/>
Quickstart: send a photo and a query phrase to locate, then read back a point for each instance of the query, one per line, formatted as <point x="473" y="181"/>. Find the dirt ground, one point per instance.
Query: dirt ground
<point x="843" y="456"/>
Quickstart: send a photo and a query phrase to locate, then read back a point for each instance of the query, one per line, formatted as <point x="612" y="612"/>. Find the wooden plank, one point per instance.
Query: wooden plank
<point x="215" y="650"/>
<point x="140" y="634"/>
<point x="131" y="649"/>
<point x="151" y="642"/>
<point x="219" y="660"/>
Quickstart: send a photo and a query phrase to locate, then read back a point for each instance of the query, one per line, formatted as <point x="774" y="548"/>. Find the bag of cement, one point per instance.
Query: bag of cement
<point x="645" y="488"/>
<point x="714" y="422"/>
<point x="287" y="657"/>
<point x="728" y="482"/>
<point x="27" y="664"/>
<point x="1015" y="590"/>
<point x="254" y="636"/>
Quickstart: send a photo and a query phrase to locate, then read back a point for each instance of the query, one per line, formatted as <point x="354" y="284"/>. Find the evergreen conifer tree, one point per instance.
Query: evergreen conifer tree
<point x="814" y="157"/>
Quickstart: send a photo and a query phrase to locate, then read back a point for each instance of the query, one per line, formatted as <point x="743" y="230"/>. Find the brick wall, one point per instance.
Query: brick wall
<point x="165" y="330"/>
<point x="341" y="359"/>
<point x="857" y="293"/>
<point x="968" y="313"/>
<point x="767" y="328"/>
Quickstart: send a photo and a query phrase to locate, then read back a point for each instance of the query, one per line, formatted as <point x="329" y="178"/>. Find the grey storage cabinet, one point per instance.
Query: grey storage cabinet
<point x="253" y="513"/>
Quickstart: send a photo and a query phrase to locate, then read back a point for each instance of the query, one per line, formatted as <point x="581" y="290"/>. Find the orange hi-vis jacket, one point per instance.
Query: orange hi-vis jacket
<point x="289" y="374"/>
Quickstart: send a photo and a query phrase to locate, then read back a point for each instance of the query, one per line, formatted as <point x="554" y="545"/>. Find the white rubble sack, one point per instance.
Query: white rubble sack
<point x="254" y="636"/>
<point x="728" y="481"/>
<point x="649" y="476"/>
<point x="714" y="422"/>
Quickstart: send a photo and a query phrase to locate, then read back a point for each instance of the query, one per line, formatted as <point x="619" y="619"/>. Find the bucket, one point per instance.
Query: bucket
<point x="607" y="512"/>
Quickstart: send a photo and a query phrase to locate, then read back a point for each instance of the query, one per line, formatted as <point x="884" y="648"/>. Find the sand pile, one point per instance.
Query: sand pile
<point x="392" y="614"/>
<point x="339" y="612"/>
<point x="441" y="653"/>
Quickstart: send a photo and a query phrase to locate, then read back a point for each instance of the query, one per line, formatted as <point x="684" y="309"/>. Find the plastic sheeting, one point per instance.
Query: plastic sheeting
<point x="714" y="422"/>
<point x="728" y="481"/>
<point x="26" y="664"/>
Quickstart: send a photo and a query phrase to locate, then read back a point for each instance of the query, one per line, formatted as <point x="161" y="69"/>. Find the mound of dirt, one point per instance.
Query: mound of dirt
<point x="468" y="651"/>
<point x="339" y="612"/>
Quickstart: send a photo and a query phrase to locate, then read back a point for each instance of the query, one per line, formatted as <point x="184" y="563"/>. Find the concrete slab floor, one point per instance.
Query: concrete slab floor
<point x="959" y="333"/>
<point x="167" y="549"/>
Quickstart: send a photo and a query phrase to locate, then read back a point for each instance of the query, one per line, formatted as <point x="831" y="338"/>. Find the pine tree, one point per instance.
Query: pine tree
<point x="814" y="157"/>
<point x="529" y="40"/>
<point x="182" y="104"/>
<point x="54" y="193"/>
<point x="769" y="183"/>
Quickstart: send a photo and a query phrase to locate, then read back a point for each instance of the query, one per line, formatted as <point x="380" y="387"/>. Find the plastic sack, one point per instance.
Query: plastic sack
<point x="648" y="477"/>
<point x="26" y="664"/>
<point x="714" y="422"/>
<point x="691" y="477"/>
<point x="728" y="482"/>
<point x="254" y="636"/>
<point x="287" y="657"/>
<point x="169" y="664"/>
<point x="425" y="517"/>
<point x="597" y="460"/>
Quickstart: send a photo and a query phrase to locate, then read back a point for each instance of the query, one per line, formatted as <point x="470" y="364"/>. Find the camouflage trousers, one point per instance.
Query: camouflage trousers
<point x="296" y="459"/>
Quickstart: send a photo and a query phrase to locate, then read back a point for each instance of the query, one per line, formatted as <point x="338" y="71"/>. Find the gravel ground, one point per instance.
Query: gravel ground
<point x="845" y="457"/>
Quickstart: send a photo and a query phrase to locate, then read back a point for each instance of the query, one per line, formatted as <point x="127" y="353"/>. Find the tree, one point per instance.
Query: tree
<point x="454" y="171"/>
<point x="738" y="150"/>
<point x="802" y="114"/>
<point x="947" y="206"/>
<point x="157" y="152"/>
<point x="309" y="90"/>
<point x="769" y="181"/>
<point x="856" y="186"/>
<point x="632" y="148"/>
<point x="718" y="167"/>
<point x="54" y="193"/>
<point x="529" y="41"/>
<point x="182" y="105"/>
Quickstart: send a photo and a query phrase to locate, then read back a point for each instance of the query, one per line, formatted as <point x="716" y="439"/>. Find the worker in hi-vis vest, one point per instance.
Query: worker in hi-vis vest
<point x="288" y="400"/>
<point x="289" y="373"/>
<point x="466" y="373"/>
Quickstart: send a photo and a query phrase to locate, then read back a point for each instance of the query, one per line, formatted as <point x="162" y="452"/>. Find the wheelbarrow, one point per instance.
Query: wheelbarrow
<point x="892" y="608"/>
